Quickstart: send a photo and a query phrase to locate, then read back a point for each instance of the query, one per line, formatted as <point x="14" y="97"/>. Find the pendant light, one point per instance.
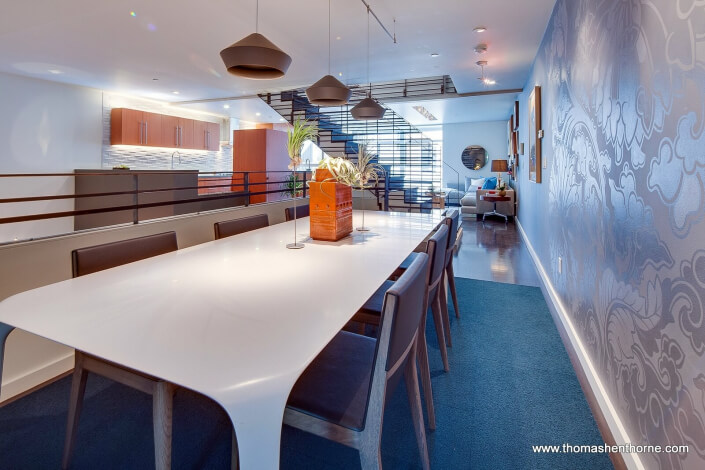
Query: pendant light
<point x="255" y="56"/>
<point x="328" y="91"/>
<point x="368" y="109"/>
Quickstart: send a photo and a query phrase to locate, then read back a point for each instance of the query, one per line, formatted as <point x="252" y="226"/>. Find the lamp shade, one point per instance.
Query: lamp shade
<point x="328" y="91"/>
<point x="368" y="110"/>
<point x="256" y="57"/>
<point x="500" y="166"/>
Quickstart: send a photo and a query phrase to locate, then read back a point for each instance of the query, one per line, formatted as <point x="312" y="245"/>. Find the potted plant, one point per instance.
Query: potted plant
<point x="366" y="171"/>
<point x="331" y="199"/>
<point x="502" y="188"/>
<point x="292" y="186"/>
<point x="297" y="135"/>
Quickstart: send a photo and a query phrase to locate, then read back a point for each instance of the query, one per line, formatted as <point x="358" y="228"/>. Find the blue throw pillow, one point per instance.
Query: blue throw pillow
<point x="490" y="183"/>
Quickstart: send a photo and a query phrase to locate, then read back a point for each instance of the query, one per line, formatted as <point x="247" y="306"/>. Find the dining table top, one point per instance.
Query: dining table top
<point x="236" y="319"/>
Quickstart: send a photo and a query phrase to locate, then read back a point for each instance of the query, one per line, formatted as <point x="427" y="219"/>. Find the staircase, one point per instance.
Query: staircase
<point x="412" y="163"/>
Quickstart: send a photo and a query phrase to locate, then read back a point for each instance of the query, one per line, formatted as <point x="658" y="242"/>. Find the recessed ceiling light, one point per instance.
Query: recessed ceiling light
<point x="435" y="54"/>
<point x="155" y="79"/>
<point x="133" y="14"/>
<point x="338" y="38"/>
<point x="282" y="119"/>
<point x="175" y="92"/>
<point x="489" y="81"/>
<point x="226" y="106"/>
<point x="258" y="114"/>
<point x="340" y="74"/>
<point x="479" y="29"/>
<point x="55" y="71"/>
<point x="425" y="113"/>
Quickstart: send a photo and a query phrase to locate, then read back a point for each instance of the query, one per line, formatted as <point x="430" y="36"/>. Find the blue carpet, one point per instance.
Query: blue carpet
<point x="511" y="386"/>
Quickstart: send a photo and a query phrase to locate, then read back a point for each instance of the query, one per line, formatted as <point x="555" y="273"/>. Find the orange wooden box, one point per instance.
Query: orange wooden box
<point x="330" y="209"/>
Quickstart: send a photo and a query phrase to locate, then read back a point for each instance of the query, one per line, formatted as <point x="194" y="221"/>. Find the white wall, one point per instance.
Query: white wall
<point x="44" y="127"/>
<point x="491" y="135"/>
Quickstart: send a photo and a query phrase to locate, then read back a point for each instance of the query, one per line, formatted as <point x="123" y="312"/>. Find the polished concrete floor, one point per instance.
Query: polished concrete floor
<point x="494" y="251"/>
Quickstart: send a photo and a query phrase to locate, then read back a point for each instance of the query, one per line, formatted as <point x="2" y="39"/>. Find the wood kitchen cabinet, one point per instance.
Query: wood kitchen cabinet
<point x="206" y="135"/>
<point x="261" y="151"/>
<point x="177" y="132"/>
<point x="131" y="127"/>
<point x="213" y="141"/>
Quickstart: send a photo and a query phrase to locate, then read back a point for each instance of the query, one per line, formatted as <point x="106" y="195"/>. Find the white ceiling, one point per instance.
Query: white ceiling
<point x="454" y="110"/>
<point x="99" y="44"/>
<point x="250" y="109"/>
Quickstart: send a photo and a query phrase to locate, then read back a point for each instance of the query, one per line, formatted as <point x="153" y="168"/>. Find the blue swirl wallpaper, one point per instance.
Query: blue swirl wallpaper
<point x="622" y="202"/>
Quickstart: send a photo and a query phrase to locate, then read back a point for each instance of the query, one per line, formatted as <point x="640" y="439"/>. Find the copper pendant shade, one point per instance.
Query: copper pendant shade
<point x="368" y="110"/>
<point x="256" y="57"/>
<point x="328" y="91"/>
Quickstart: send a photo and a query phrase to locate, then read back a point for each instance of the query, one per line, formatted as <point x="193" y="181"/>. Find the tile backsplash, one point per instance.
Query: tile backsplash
<point x="156" y="158"/>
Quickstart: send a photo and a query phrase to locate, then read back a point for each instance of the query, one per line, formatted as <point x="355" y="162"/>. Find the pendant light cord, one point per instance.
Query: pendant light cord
<point x="369" y="95"/>
<point x="257" y="18"/>
<point x="328" y="37"/>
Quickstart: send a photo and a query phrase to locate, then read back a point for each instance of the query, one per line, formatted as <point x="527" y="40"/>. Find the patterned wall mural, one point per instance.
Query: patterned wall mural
<point x="623" y="203"/>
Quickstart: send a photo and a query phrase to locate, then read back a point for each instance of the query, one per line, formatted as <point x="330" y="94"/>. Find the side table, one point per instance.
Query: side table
<point x="494" y="199"/>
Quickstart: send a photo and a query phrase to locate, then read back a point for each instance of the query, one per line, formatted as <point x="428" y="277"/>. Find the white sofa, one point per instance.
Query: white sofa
<point x="471" y="204"/>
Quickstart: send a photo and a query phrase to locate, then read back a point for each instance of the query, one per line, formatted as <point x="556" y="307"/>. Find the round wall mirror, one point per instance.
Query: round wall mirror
<point x="475" y="157"/>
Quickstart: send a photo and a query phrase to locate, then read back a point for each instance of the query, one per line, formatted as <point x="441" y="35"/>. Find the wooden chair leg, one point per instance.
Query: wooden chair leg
<point x="451" y="282"/>
<point x="162" y="412"/>
<point x="425" y="371"/>
<point x="78" y="389"/>
<point x="370" y="459"/>
<point x="444" y="310"/>
<point x="235" y="457"/>
<point x="412" y="390"/>
<point x="438" y="321"/>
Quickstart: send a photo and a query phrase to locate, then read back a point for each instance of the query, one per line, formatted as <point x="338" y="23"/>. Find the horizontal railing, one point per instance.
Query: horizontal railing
<point x="103" y="198"/>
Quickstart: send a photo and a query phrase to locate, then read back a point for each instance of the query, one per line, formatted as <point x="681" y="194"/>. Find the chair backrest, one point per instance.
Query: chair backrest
<point x="436" y="249"/>
<point x="452" y="220"/>
<point x="228" y="228"/>
<point x="404" y="305"/>
<point x="301" y="211"/>
<point x="96" y="258"/>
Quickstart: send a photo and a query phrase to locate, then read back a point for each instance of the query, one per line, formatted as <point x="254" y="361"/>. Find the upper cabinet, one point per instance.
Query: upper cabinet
<point x="206" y="135"/>
<point x="131" y="127"/>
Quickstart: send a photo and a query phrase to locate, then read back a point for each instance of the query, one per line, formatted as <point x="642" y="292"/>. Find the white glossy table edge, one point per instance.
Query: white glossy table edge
<point x="254" y="406"/>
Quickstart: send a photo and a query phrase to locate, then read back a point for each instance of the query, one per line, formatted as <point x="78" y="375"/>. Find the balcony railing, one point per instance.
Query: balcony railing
<point x="91" y="199"/>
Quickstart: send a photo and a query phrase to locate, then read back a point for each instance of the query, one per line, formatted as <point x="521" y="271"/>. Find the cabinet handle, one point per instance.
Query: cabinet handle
<point x="141" y="132"/>
<point x="176" y="136"/>
<point x="208" y="139"/>
<point x="181" y="136"/>
<point x="145" y="132"/>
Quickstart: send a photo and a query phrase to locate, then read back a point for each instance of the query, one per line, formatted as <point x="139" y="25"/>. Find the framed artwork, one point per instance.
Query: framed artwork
<point x="534" y="128"/>
<point x="516" y="116"/>
<point x="510" y="136"/>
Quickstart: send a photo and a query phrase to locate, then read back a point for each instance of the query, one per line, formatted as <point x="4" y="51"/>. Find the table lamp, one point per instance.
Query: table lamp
<point x="500" y="166"/>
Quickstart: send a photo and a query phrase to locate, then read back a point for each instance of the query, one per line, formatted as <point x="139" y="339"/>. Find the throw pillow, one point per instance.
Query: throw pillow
<point x="471" y="184"/>
<point x="490" y="183"/>
<point x="477" y="182"/>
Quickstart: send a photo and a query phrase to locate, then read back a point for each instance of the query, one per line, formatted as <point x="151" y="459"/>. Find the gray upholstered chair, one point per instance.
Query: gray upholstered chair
<point x="301" y="211"/>
<point x="452" y="219"/>
<point x="228" y="228"/>
<point x="97" y="258"/>
<point x="341" y="395"/>
<point x="370" y="312"/>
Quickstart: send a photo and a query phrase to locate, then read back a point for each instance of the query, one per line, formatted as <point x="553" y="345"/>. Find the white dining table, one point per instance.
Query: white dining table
<point x="236" y="319"/>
